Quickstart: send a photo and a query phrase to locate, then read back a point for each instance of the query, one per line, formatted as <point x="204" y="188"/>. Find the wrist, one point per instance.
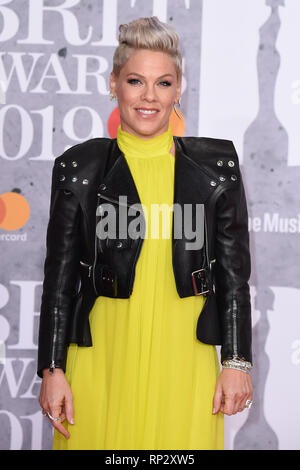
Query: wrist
<point x="237" y="364"/>
<point x="48" y="371"/>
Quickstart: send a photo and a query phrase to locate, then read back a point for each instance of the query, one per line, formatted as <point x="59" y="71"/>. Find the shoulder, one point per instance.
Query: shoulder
<point x="208" y="147"/>
<point x="82" y="162"/>
<point x="86" y="150"/>
<point x="216" y="157"/>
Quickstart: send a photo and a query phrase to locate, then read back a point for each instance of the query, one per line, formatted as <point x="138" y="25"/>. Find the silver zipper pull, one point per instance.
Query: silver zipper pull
<point x="52" y="367"/>
<point x="89" y="266"/>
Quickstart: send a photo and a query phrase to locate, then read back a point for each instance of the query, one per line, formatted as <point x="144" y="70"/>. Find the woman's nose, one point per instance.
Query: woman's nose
<point x="149" y="93"/>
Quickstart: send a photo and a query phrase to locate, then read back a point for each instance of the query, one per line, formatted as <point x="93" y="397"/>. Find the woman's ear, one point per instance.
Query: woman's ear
<point x="112" y="83"/>
<point x="178" y="91"/>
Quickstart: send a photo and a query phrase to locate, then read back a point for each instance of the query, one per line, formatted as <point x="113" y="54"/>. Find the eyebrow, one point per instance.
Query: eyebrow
<point x="142" y="76"/>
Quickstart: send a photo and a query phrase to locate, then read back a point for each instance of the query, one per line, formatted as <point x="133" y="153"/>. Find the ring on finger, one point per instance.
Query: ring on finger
<point x="52" y="418"/>
<point x="248" y="404"/>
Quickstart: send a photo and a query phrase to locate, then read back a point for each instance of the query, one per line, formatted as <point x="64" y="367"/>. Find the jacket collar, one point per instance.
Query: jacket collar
<point x="191" y="183"/>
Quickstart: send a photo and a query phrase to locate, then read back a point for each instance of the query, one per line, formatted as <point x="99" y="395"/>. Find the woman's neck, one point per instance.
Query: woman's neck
<point x="133" y="145"/>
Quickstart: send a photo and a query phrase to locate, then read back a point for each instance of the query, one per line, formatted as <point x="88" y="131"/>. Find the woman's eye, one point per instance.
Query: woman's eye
<point x="132" y="81"/>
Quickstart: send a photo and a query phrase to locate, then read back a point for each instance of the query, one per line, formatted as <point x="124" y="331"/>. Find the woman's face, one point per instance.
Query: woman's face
<point x="146" y="89"/>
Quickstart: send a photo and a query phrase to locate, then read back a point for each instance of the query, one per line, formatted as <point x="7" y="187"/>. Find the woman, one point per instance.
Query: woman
<point x="129" y="360"/>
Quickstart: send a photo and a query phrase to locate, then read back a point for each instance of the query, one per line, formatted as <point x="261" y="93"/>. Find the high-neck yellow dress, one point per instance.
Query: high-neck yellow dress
<point x="147" y="382"/>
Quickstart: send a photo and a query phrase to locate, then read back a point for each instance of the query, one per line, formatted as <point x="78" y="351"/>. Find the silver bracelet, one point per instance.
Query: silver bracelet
<point x="237" y="364"/>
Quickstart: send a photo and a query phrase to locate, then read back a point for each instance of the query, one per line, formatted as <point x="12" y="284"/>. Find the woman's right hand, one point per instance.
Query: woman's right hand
<point x="56" y="398"/>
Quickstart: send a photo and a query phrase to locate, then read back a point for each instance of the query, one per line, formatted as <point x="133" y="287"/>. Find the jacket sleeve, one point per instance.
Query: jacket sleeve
<point x="233" y="268"/>
<point x="61" y="275"/>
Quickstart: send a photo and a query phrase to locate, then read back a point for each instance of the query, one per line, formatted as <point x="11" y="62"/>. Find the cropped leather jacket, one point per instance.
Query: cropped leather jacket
<point x="80" y="266"/>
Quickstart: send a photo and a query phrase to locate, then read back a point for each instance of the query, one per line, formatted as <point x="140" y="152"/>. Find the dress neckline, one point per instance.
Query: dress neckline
<point x="133" y="146"/>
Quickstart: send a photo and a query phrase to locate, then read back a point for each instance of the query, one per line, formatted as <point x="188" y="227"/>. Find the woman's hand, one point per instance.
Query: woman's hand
<point x="56" y="398"/>
<point x="233" y="389"/>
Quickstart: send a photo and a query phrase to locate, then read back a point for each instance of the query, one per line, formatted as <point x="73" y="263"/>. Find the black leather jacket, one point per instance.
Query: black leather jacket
<point x="79" y="266"/>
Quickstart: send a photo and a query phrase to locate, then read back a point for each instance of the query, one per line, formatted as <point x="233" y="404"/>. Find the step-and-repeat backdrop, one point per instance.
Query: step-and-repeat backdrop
<point x="241" y="82"/>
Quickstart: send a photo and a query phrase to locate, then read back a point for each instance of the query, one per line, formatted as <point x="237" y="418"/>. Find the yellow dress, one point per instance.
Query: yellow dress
<point x="147" y="382"/>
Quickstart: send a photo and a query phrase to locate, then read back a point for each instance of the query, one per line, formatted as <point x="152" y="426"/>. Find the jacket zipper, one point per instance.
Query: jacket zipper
<point x="95" y="248"/>
<point x="87" y="266"/>
<point x="53" y="365"/>
<point x="234" y="324"/>
<point x="99" y="195"/>
<point x="113" y="200"/>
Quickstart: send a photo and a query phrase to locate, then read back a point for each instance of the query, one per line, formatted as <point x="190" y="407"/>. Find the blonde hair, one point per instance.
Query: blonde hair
<point x="147" y="33"/>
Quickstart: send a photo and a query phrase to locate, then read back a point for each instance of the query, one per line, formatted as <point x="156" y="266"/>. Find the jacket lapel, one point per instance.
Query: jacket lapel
<point x="118" y="180"/>
<point x="191" y="184"/>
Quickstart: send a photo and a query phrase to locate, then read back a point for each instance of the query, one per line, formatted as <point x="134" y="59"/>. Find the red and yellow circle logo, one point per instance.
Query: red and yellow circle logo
<point x="14" y="211"/>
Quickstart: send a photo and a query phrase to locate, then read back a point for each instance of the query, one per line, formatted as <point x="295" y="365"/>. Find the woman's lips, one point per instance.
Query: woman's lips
<point x="147" y="112"/>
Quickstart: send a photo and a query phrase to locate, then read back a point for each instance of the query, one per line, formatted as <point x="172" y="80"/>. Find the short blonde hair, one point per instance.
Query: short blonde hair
<point x="147" y="33"/>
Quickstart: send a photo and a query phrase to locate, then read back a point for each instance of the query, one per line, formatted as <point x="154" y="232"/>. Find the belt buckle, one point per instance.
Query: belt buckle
<point x="201" y="274"/>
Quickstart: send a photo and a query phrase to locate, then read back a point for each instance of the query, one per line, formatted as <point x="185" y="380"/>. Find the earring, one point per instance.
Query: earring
<point x="178" y="104"/>
<point x="112" y="96"/>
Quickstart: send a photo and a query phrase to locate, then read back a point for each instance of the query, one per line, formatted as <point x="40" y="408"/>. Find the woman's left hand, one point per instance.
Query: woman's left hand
<point x="233" y="389"/>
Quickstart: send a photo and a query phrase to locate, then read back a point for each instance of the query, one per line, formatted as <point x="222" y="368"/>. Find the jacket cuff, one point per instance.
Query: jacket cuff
<point x="45" y="360"/>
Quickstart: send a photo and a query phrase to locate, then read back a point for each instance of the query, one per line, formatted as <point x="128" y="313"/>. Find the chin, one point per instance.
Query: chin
<point x="149" y="128"/>
<point x="144" y="128"/>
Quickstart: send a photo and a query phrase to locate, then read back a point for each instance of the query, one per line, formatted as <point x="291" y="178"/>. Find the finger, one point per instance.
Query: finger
<point x="244" y="393"/>
<point x="228" y="407"/>
<point x="69" y="410"/>
<point x="60" y="427"/>
<point x="222" y="405"/>
<point x="240" y="403"/>
<point x="249" y="393"/>
<point x="217" y="400"/>
<point x="56" y="412"/>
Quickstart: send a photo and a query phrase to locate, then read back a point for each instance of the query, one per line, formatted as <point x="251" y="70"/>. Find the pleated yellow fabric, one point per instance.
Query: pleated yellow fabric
<point x="147" y="382"/>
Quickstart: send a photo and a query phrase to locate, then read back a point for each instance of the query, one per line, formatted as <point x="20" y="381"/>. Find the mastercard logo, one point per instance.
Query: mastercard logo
<point x="177" y="124"/>
<point x="14" y="211"/>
